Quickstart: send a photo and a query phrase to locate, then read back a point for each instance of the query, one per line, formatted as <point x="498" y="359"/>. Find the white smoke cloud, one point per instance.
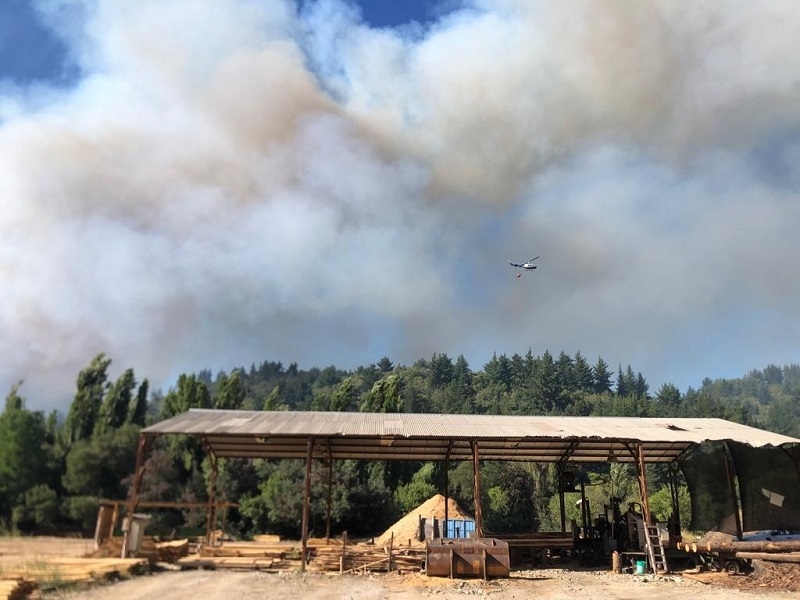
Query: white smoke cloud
<point x="236" y="181"/>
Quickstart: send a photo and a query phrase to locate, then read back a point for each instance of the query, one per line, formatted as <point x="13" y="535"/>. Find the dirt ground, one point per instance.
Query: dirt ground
<point x="555" y="584"/>
<point x="770" y="581"/>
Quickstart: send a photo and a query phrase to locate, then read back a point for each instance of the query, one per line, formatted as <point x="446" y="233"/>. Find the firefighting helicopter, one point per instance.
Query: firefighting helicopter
<point x="528" y="266"/>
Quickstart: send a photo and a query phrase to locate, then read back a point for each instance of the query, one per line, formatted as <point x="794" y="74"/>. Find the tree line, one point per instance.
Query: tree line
<point x="55" y="468"/>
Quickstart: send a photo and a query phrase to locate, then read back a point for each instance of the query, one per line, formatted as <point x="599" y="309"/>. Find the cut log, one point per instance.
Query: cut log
<point x="770" y="556"/>
<point x="755" y="546"/>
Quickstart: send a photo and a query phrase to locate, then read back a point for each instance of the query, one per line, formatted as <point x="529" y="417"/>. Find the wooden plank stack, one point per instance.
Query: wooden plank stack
<point x="17" y="589"/>
<point x="52" y="571"/>
<point x="149" y="548"/>
<point x="271" y="555"/>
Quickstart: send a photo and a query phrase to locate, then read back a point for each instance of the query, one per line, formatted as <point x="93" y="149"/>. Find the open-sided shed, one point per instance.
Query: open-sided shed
<point x="332" y="436"/>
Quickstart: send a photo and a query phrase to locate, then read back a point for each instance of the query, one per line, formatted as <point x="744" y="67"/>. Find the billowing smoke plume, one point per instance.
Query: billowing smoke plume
<point x="231" y="181"/>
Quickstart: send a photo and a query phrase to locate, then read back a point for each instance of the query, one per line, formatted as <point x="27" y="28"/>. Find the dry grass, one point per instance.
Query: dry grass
<point x="20" y="547"/>
<point x="32" y="554"/>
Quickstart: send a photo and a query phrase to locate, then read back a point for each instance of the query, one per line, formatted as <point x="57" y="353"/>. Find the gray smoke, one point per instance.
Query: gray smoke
<point x="232" y="181"/>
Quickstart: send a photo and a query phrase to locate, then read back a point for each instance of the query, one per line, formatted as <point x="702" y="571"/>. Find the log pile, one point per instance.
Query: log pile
<point x="784" y="551"/>
<point x="17" y="589"/>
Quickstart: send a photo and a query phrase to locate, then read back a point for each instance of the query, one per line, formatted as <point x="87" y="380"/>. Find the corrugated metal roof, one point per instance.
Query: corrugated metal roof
<point x="411" y="436"/>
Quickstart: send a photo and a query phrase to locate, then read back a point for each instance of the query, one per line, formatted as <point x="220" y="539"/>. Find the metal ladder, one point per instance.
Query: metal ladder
<point x="655" y="550"/>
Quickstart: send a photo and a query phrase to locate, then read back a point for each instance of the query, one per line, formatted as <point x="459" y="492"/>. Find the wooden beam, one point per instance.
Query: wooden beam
<point x="145" y="443"/>
<point x="330" y="491"/>
<point x="306" y="504"/>
<point x="561" y="504"/>
<point x="211" y="513"/>
<point x="641" y="476"/>
<point x="476" y="478"/>
<point x="729" y="475"/>
<point x="447" y="486"/>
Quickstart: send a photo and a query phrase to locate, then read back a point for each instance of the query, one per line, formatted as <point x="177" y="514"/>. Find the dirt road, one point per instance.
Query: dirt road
<point x="553" y="584"/>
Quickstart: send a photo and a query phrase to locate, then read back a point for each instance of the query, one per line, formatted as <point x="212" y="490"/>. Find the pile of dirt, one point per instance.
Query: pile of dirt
<point x="406" y="529"/>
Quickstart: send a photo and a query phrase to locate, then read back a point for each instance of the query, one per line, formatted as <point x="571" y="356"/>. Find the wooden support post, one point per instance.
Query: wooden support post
<point x="145" y="442"/>
<point x="211" y="513"/>
<point x="561" y="468"/>
<point x="675" y="532"/>
<point x="330" y="486"/>
<point x="306" y="505"/>
<point x="476" y="477"/>
<point x="391" y="547"/>
<point x="447" y="486"/>
<point x="641" y="475"/>
<point x="585" y="516"/>
<point x="344" y="552"/>
<point x="729" y="475"/>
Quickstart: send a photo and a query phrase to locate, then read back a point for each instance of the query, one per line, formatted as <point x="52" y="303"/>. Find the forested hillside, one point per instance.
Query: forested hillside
<point x="54" y="468"/>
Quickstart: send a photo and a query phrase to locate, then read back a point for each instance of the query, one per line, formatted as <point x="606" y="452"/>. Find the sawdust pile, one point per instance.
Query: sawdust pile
<point x="406" y="528"/>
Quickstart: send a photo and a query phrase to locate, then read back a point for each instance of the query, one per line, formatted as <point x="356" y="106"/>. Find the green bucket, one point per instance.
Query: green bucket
<point x="641" y="566"/>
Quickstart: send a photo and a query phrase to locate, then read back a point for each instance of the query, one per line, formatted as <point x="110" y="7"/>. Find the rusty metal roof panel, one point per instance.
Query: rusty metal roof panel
<point x="311" y="423"/>
<point x="428" y="436"/>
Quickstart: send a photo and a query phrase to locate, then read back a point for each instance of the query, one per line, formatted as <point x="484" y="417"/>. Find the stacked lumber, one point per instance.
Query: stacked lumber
<point x="366" y="558"/>
<point x="253" y="563"/>
<point x="149" y="549"/>
<point x="52" y="571"/>
<point x="270" y="556"/>
<point x="267" y="538"/>
<point x="248" y="549"/>
<point x="16" y="589"/>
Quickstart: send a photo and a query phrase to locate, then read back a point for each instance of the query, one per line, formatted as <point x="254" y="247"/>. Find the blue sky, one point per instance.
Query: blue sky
<point x="208" y="184"/>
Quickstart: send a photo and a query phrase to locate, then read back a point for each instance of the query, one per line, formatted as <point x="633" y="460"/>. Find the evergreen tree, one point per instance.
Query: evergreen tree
<point x="85" y="407"/>
<point x="114" y="410"/>
<point x="137" y="412"/>
<point x="344" y="398"/>
<point x="386" y="396"/>
<point x="23" y="461"/>
<point x="582" y="373"/>
<point x="602" y="377"/>
<point x="565" y="379"/>
<point x="669" y="397"/>
<point x="545" y="385"/>
<point x="641" y="387"/>
<point x="191" y="392"/>
<point x="385" y="365"/>
<point x="441" y="370"/>
<point x="231" y="392"/>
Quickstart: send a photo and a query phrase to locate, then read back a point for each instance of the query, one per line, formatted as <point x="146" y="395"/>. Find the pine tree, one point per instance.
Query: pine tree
<point x="602" y="377"/>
